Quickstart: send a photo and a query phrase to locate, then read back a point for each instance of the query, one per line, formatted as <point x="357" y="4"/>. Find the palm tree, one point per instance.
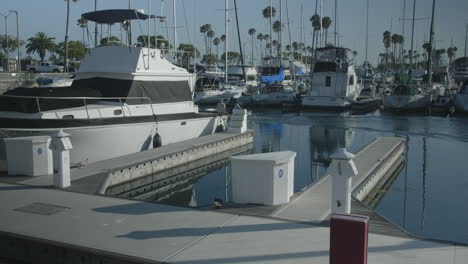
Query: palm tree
<point x="210" y="35"/>
<point x="394" y="39"/>
<point x="216" y="42"/>
<point x="316" y="25"/>
<point x="326" y="23"/>
<point x="268" y="13"/>
<point x="40" y="44"/>
<point x="82" y="23"/>
<point x="252" y="32"/>
<point x="65" y="61"/>
<point x="260" y="37"/>
<point x="387" y="44"/>
<point x="204" y="29"/>
<point x="451" y="54"/>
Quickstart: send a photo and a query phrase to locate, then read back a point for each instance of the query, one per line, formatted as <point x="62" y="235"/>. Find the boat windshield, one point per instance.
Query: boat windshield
<point x="331" y="55"/>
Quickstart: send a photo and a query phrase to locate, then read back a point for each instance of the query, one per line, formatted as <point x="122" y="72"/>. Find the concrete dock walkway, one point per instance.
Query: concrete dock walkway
<point x="100" y="227"/>
<point x="369" y="160"/>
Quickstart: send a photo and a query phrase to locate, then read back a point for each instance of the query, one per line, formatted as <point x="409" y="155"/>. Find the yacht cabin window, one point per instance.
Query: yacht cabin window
<point x="327" y="81"/>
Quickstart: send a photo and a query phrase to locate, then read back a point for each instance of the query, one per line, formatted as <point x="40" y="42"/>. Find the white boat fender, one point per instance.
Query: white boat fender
<point x="157" y="141"/>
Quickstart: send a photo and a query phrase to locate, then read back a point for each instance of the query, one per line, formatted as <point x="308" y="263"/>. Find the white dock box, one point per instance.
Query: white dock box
<point x="30" y="156"/>
<point x="266" y="178"/>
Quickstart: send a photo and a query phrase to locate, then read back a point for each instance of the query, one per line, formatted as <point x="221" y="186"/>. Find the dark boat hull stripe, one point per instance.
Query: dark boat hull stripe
<point x="20" y="123"/>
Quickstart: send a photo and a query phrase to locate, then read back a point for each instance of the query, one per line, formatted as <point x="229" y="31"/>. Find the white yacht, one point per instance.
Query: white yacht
<point x="122" y="100"/>
<point x="334" y="80"/>
<point x="461" y="99"/>
<point x="236" y="76"/>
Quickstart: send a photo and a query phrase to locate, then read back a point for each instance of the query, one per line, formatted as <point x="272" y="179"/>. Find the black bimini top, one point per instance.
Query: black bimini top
<point x="111" y="16"/>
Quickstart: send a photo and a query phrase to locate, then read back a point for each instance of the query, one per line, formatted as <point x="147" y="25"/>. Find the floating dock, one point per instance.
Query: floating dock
<point x="43" y="225"/>
<point x="149" y="166"/>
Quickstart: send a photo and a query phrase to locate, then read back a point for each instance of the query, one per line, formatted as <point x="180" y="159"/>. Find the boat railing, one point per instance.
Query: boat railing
<point x="85" y="101"/>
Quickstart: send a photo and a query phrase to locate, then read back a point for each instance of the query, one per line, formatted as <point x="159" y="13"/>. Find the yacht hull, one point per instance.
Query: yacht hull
<point x="274" y="99"/>
<point x="327" y="102"/>
<point x="214" y="97"/>
<point x="406" y="102"/>
<point x="96" y="143"/>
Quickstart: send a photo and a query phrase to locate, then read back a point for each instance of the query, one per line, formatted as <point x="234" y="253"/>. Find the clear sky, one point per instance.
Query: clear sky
<point x="450" y="24"/>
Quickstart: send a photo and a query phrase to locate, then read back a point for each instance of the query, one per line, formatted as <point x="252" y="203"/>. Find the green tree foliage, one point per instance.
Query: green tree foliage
<point x="210" y="59"/>
<point x="326" y="23"/>
<point x="76" y="50"/>
<point x="12" y="44"/>
<point x="111" y="40"/>
<point x="186" y="54"/>
<point x="40" y="44"/>
<point x="269" y="12"/>
<point x="158" y="41"/>
<point x="233" y="57"/>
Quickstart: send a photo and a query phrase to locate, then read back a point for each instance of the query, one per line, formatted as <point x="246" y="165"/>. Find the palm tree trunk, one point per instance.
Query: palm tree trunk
<point x="65" y="60"/>
<point x="326" y="37"/>
<point x="84" y="36"/>
<point x="252" y="49"/>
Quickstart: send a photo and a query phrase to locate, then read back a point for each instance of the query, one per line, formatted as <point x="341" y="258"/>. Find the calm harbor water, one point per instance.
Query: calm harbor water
<point x="429" y="198"/>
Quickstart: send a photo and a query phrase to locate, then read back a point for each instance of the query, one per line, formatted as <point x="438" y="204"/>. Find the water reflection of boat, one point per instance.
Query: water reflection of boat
<point x="326" y="141"/>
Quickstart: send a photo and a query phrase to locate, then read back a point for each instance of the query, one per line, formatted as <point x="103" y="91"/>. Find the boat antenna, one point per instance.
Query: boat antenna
<point x="240" y="45"/>
<point x="431" y="40"/>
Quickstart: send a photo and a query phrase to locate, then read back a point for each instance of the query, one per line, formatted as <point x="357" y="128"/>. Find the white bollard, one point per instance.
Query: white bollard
<point x="61" y="146"/>
<point x="342" y="169"/>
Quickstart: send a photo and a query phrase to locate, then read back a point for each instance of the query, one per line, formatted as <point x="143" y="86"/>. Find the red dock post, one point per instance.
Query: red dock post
<point x="348" y="239"/>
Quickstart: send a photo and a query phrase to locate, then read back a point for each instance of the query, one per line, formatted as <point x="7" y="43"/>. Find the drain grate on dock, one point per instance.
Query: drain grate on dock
<point x="42" y="209"/>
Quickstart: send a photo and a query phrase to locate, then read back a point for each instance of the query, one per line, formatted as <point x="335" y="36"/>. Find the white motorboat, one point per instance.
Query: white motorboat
<point x="334" y="80"/>
<point x="236" y="76"/>
<point x="406" y="98"/>
<point x="461" y="99"/>
<point x="123" y="100"/>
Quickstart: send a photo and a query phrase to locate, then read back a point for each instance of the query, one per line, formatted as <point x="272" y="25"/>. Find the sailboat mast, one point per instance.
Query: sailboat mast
<point x="240" y="44"/>
<point x="175" y="24"/>
<point x="412" y="36"/>
<point x="281" y="32"/>
<point x="226" y="16"/>
<point x="271" y="29"/>
<point x="404" y="38"/>
<point x="336" y="9"/>
<point x="367" y="36"/>
<point x="302" y="30"/>
<point x="431" y="40"/>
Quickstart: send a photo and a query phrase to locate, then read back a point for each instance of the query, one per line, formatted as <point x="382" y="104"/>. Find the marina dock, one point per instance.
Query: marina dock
<point x="49" y="226"/>
<point x="149" y="166"/>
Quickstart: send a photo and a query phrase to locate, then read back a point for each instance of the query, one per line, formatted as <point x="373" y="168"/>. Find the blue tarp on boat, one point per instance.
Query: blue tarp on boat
<point x="273" y="78"/>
